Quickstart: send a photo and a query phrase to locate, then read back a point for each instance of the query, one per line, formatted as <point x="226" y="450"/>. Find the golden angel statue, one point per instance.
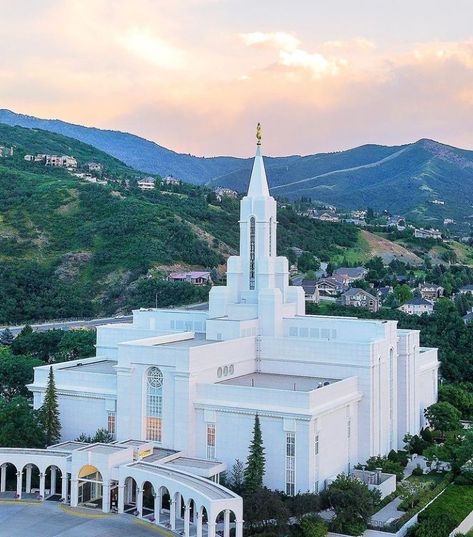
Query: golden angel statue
<point x="258" y="134"/>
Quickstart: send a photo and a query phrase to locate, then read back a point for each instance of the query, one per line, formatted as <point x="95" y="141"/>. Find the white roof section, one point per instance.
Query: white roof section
<point x="280" y="382"/>
<point x="258" y="182"/>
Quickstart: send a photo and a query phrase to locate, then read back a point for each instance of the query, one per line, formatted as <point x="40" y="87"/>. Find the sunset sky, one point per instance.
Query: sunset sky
<point x="197" y="75"/>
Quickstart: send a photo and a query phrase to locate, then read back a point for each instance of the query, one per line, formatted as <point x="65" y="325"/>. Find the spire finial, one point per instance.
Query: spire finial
<point x="258" y="134"/>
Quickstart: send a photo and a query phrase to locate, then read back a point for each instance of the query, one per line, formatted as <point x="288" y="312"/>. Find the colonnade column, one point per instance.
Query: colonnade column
<point x="64" y="486"/>
<point x="239" y="528"/>
<point x="211" y="529"/>
<point x="187" y="520"/>
<point x="42" y="485"/>
<point x="121" y="498"/>
<point x="74" y="492"/>
<point x="139" y="501"/>
<point x="106" y="497"/>
<point x="19" y="479"/>
<point x="172" y="514"/>
<point x="157" y="508"/>
<point x="199" y="524"/>
<point x="52" y="488"/>
<point x="3" y="477"/>
<point x="28" y="478"/>
<point x="226" y="523"/>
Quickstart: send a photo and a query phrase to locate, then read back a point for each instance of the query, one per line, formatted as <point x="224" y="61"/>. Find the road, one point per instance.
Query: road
<point x="68" y="325"/>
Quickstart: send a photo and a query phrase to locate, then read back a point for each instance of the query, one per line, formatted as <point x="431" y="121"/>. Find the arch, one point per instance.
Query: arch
<point x="8" y="476"/>
<point x="165" y="497"/>
<point x="90" y="486"/>
<point x="154" y="404"/>
<point x="148" y="497"/>
<point x="53" y="475"/>
<point x="204" y="514"/>
<point x="90" y="473"/>
<point x="130" y="494"/>
<point x="30" y="478"/>
<point x="224" y="521"/>
<point x="192" y="506"/>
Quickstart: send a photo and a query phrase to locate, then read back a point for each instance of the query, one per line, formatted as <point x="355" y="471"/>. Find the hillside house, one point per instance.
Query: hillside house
<point x="427" y="234"/>
<point x="94" y="167"/>
<point x="359" y="298"/>
<point x="349" y="275"/>
<point x="431" y="291"/>
<point x="468" y="317"/>
<point x="61" y="161"/>
<point x="6" y="151"/>
<point x="170" y="180"/>
<point x="383" y="292"/>
<point x="147" y="183"/>
<point x="311" y="291"/>
<point x="330" y="287"/>
<point x="417" y="306"/>
<point x="221" y="192"/>
<point x="466" y="289"/>
<point x="194" y="277"/>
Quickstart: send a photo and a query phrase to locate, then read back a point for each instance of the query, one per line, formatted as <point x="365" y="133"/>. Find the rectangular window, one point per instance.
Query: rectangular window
<point x="316" y="444"/>
<point x="211" y="452"/>
<point x="348" y="428"/>
<point x="111" y="423"/>
<point x="290" y="464"/>
<point x="293" y="331"/>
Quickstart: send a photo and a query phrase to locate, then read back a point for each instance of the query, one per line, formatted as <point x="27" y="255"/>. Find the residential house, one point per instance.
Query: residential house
<point x="417" y="306"/>
<point x="60" y="161"/>
<point x="95" y="167"/>
<point x="431" y="291"/>
<point x="29" y="158"/>
<point x="170" y="180"/>
<point x="6" y="151"/>
<point x="359" y="298"/>
<point x="147" y="183"/>
<point x="383" y="292"/>
<point x="468" y="317"/>
<point x="427" y="234"/>
<point x="222" y="192"/>
<point x="350" y="274"/>
<point x="311" y="291"/>
<point x="466" y="289"/>
<point x="330" y="287"/>
<point x="194" y="277"/>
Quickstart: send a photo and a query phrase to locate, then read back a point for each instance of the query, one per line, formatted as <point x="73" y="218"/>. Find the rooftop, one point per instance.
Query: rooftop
<point x="159" y="454"/>
<point x="279" y="382"/>
<point x="101" y="366"/>
<point x="102" y="449"/>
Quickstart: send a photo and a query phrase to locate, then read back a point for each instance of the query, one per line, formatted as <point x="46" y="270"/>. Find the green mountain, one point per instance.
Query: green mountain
<point x="69" y="248"/>
<point x="403" y="179"/>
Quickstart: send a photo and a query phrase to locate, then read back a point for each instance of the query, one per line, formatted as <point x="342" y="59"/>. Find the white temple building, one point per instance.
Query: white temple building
<point x="330" y="391"/>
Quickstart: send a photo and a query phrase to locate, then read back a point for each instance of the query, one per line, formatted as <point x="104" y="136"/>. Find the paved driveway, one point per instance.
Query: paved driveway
<point x="50" y="519"/>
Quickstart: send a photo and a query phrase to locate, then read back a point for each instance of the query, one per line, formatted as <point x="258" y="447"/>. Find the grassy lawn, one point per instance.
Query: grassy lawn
<point x="456" y="501"/>
<point x="430" y="479"/>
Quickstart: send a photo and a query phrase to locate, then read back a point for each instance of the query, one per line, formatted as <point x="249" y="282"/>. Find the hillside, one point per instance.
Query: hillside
<point x="69" y="248"/>
<point x="414" y="174"/>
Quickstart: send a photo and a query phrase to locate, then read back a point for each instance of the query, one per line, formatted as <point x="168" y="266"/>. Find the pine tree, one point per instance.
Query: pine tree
<point x="6" y="337"/>
<point x="255" y="464"/>
<point x="50" y="412"/>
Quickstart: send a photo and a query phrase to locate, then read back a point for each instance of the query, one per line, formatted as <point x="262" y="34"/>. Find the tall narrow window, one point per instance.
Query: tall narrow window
<point x="111" y="423"/>
<point x="270" y="235"/>
<point x="290" y="464"/>
<point x="154" y="404"/>
<point x="252" y="252"/>
<point x="211" y="452"/>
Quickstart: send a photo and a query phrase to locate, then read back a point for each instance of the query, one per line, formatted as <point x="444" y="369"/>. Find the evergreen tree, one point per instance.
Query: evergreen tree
<point x="50" y="412"/>
<point x="255" y="463"/>
<point x="6" y="337"/>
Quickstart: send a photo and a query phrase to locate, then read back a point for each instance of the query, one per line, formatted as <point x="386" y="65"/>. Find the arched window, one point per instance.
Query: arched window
<point x="154" y="404"/>
<point x="252" y="252"/>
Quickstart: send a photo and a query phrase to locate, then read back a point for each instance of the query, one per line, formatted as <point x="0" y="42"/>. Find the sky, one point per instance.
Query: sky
<point x="197" y="75"/>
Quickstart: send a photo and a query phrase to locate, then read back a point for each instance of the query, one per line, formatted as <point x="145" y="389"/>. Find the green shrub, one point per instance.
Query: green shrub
<point x="417" y="471"/>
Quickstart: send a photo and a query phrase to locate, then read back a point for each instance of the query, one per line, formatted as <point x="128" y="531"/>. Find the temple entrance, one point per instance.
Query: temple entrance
<point x="90" y="487"/>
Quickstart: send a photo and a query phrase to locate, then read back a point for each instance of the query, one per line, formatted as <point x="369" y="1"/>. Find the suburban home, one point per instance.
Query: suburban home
<point x="359" y="298"/>
<point x="60" y="161"/>
<point x="6" y="151"/>
<point x="466" y="289"/>
<point x="427" y="234"/>
<point x="431" y="291"/>
<point x="170" y="180"/>
<point x="94" y="166"/>
<point x="383" y="292"/>
<point x="350" y="274"/>
<point x="222" y="192"/>
<point x="417" y="306"/>
<point x="311" y="291"/>
<point x="468" y="317"/>
<point x="194" y="277"/>
<point x="330" y="287"/>
<point x="147" y="183"/>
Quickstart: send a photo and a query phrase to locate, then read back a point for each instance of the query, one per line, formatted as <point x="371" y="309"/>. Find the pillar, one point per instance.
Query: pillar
<point x="52" y="488"/>
<point x="3" y="477"/>
<point x="74" y="492"/>
<point x="139" y="501"/>
<point x="28" y="478"/>
<point x="64" y="486"/>
<point x="187" y="512"/>
<point x="19" y="479"/>
<point x="239" y="528"/>
<point x="199" y="524"/>
<point x="157" y="508"/>
<point x="172" y="513"/>
<point x="42" y="485"/>
<point x="211" y="529"/>
<point x="121" y="498"/>
<point x="106" y="497"/>
<point x="226" y="523"/>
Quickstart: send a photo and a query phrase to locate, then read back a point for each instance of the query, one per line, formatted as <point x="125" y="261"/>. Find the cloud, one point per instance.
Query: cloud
<point x="280" y="40"/>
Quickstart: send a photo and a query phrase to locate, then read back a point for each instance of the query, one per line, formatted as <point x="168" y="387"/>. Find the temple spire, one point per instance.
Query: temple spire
<point x="258" y="182"/>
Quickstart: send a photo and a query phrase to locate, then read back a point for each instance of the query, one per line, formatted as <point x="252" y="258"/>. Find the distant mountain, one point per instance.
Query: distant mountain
<point x="403" y="179"/>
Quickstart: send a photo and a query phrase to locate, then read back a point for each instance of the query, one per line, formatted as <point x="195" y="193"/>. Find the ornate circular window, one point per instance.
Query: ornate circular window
<point x="225" y="371"/>
<point x="219" y="372"/>
<point x="155" y="377"/>
<point x="231" y="369"/>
